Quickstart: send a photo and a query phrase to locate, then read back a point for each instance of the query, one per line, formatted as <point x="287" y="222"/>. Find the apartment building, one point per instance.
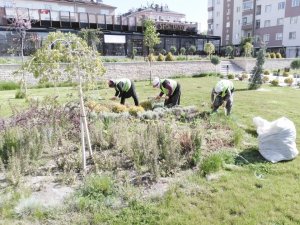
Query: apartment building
<point x="273" y="23"/>
<point x="120" y="33"/>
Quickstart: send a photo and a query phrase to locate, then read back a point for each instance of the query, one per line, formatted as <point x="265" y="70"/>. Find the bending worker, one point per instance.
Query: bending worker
<point x="170" y="88"/>
<point x="223" y="91"/>
<point x="124" y="89"/>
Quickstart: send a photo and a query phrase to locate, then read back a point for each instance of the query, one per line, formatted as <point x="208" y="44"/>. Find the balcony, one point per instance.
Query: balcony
<point x="247" y="26"/>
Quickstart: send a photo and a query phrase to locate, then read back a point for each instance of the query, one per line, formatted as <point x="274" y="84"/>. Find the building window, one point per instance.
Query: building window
<point x="238" y="9"/>
<point x="257" y="24"/>
<point x="244" y="20"/>
<point x="293" y="20"/>
<point x="266" y="37"/>
<point x="257" y="38"/>
<point x="248" y="5"/>
<point x="295" y="3"/>
<point x="218" y="1"/>
<point x="258" y="10"/>
<point x="228" y="12"/>
<point x="228" y="24"/>
<point x="278" y="37"/>
<point x="281" y="5"/>
<point x="268" y="8"/>
<point x="218" y="14"/>
<point x="280" y="21"/>
<point x="267" y="23"/>
<point x="227" y="37"/>
<point x="292" y="35"/>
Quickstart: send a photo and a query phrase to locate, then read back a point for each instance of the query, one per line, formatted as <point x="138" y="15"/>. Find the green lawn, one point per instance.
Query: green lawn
<point x="254" y="193"/>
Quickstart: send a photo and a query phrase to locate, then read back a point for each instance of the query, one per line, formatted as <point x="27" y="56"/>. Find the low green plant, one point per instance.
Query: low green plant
<point x="265" y="79"/>
<point x="169" y="57"/>
<point x="278" y="55"/>
<point x="274" y="83"/>
<point x="161" y="57"/>
<point x="289" y="81"/>
<point x="9" y="85"/>
<point x="266" y="72"/>
<point x="211" y="164"/>
<point x="230" y="76"/>
<point x="272" y="55"/>
<point x="285" y="74"/>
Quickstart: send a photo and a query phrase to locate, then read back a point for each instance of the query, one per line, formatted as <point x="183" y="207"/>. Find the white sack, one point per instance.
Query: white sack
<point x="276" y="139"/>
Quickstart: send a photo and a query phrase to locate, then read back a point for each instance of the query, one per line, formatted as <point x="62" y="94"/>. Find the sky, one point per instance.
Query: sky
<point x="195" y="10"/>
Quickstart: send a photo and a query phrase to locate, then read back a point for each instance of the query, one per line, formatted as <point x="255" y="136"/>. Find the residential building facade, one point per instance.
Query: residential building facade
<point x="273" y="23"/>
<point x="120" y="34"/>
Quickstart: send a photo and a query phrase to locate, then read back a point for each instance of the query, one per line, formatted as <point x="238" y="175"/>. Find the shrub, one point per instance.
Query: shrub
<point x="118" y="108"/>
<point x="266" y="72"/>
<point x="160" y="57"/>
<point x="180" y="58"/>
<point x="267" y="55"/>
<point x="169" y="57"/>
<point x="200" y="75"/>
<point x="211" y="164"/>
<point x="20" y="94"/>
<point x="289" y="81"/>
<point x="147" y="105"/>
<point x="192" y="49"/>
<point x="230" y="76"/>
<point x="272" y="55"/>
<point x="275" y="83"/>
<point x="182" y="51"/>
<point x="151" y="57"/>
<point x="173" y="49"/>
<point x="134" y="110"/>
<point x="265" y="79"/>
<point x="278" y="55"/>
<point x="8" y="85"/>
<point x="295" y="64"/>
<point x="285" y="74"/>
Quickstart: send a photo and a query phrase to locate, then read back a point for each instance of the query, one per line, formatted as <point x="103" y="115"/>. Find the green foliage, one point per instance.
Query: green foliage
<point x="192" y="49"/>
<point x="20" y="94"/>
<point x="275" y="83"/>
<point x="206" y="74"/>
<point x="134" y="52"/>
<point x="163" y="51"/>
<point x="266" y="72"/>
<point x="267" y="55"/>
<point x="209" y="49"/>
<point x="169" y="57"/>
<point x="151" y="57"/>
<point x="278" y="55"/>
<point x="173" y="49"/>
<point x="272" y="55"/>
<point x="230" y="76"/>
<point x="228" y="50"/>
<point x="160" y="57"/>
<point x="8" y="85"/>
<point x="151" y="36"/>
<point x="66" y="48"/>
<point x="211" y="164"/>
<point x="256" y="79"/>
<point x="285" y="74"/>
<point x="91" y="36"/>
<point x="182" y="50"/>
<point x="289" y="81"/>
<point x="215" y="60"/>
<point x="295" y="64"/>
<point x="265" y="79"/>
<point x="248" y="49"/>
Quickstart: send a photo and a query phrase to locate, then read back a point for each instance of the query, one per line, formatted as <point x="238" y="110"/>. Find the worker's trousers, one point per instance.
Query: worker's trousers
<point x="219" y="100"/>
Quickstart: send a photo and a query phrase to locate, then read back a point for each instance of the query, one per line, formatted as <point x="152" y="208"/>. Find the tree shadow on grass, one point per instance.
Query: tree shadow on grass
<point x="249" y="156"/>
<point x="242" y="89"/>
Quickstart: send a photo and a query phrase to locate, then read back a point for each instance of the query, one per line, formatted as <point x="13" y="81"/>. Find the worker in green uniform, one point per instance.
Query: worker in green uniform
<point x="170" y="88"/>
<point x="125" y="88"/>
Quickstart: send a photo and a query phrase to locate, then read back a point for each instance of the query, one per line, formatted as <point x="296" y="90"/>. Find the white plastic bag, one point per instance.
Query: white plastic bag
<point x="276" y="139"/>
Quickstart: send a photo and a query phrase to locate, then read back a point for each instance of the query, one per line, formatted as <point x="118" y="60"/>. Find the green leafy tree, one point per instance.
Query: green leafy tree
<point x="295" y="64"/>
<point x="173" y="49"/>
<point x="151" y="39"/>
<point x="209" y="49"/>
<point x="91" y="36"/>
<point x="228" y="51"/>
<point x="182" y="50"/>
<point x="216" y="61"/>
<point x="192" y="49"/>
<point x="248" y="49"/>
<point x="256" y="79"/>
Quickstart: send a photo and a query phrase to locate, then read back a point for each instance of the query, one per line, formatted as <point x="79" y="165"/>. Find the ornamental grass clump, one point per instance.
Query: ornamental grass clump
<point x="118" y="108"/>
<point x="147" y="105"/>
<point x="135" y="110"/>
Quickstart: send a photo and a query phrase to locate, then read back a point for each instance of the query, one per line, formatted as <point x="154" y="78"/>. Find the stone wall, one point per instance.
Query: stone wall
<point x="132" y="70"/>
<point x="270" y="64"/>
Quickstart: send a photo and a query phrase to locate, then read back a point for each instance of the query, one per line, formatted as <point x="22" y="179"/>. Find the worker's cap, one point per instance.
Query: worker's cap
<point x="111" y="82"/>
<point x="156" y="82"/>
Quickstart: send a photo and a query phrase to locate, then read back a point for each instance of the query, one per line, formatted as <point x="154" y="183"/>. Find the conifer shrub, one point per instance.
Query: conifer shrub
<point x="272" y="55"/>
<point x="169" y="57"/>
<point x="134" y="110"/>
<point x="160" y="57"/>
<point x="278" y="55"/>
<point x="275" y="83"/>
<point x="289" y="81"/>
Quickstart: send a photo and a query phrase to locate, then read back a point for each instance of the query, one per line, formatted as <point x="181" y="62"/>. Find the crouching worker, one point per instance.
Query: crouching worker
<point x="124" y="89"/>
<point x="222" y="92"/>
<point x="170" y="88"/>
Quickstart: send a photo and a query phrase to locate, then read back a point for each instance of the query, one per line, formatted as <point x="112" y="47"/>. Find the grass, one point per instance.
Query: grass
<point x="256" y="192"/>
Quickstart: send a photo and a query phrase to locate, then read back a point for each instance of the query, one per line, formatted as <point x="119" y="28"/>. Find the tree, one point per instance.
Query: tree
<point x="66" y="56"/>
<point x="151" y="38"/>
<point x="209" y="49"/>
<point x="295" y="64"/>
<point x="248" y="48"/>
<point x="215" y="60"/>
<point x="91" y="36"/>
<point x="182" y="50"/>
<point x="173" y="49"/>
<point x="228" y="50"/>
<point x="192" y="49"/>
<point x="256" y="78"/>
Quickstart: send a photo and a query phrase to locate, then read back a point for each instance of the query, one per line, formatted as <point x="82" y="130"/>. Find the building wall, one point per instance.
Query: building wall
<point x="237" y="22"/>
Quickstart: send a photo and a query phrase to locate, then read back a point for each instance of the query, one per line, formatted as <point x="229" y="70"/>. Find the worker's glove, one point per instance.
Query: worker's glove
<point x="157" y="97"/>
<point x="167" y="97"/>
<point x="114" y="98"/>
